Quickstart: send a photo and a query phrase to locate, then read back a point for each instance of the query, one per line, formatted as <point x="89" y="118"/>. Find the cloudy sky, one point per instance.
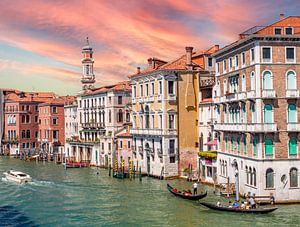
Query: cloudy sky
<point x="40" y="41"/>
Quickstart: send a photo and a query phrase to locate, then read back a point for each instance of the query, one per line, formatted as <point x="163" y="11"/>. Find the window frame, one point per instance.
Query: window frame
<point x="266" y="60"/>
<point x="285" y="52"/>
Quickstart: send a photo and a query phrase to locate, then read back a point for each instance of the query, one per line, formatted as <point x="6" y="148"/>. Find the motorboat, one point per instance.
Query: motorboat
<point x="17" y="176"/>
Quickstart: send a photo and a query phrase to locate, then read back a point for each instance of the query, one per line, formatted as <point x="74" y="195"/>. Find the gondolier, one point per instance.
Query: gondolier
<point x="195" y="186"/>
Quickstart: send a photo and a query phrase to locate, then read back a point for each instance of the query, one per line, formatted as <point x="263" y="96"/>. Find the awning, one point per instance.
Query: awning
<point x="212" y="142"/>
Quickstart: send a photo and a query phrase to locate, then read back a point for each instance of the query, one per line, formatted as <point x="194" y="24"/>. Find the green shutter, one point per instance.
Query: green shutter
<point x="238" y="145"/>
<point x="293" y="146"/>
<point x="226" y="143"/>
<point x="269" y="146"/>
<point x="254" y="146"/>
<point x="232" y="147"/>
<point x="245" y="145"/>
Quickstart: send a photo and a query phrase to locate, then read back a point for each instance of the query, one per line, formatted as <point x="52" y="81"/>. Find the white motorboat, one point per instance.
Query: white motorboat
<point x="17" y="176"/>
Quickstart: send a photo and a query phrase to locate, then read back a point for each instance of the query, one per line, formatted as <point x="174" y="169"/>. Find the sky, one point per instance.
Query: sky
<point x="41" y="41"/>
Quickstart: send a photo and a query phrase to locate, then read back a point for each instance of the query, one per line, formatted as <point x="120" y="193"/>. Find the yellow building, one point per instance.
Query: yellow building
<point x="165" y="98"/>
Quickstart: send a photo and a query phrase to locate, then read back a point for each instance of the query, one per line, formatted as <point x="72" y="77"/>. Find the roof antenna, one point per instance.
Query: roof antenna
<point x="87" y="40"/>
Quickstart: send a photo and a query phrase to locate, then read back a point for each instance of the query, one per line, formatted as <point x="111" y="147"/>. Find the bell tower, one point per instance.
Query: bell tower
<point x="88" y="77"/>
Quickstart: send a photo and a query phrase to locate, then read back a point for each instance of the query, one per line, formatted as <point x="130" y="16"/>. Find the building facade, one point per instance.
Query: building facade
<point x="256" y="102"/>
<point x="165" y="115"/>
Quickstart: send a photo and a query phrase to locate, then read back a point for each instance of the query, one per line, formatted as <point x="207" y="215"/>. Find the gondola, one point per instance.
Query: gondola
<point x="189" y="197"/>
<point x="238" y="210"/>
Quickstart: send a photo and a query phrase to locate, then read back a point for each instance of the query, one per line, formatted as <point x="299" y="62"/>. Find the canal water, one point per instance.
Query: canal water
<point x="81" y="197"/>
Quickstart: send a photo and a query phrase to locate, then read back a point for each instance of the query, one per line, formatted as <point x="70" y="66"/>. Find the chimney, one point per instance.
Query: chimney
<point x="150" y="62"/>
<point x="138" y="70"/>
<point x="189" y="51"/>
<point x="281" y="16"/>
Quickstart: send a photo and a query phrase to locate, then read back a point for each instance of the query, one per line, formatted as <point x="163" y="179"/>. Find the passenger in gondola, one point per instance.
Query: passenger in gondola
<point x="252" y="202"/>
<point x="236" y="204"/>
<point x="230" y="205"/>
<point x="243" y="206"/>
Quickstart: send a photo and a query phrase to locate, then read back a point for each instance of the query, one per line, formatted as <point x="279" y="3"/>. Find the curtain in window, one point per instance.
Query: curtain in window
<point x="291" y="81"/>
<point x="268" y="114"/>
<point x="293" y="146"/>
<point x="268" y="146"/>
<point x="292" y="113"/>
<point x="268" y="83"/>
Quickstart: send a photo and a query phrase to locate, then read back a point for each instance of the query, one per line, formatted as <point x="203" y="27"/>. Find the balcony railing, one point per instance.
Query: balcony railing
<point x="294" y="93"/>
<point x="262" y="127"/>
<point x="149" y="99"/>
<point x="268" y="93"/>
<point x="233" y="127"/>
<point x="251" y="94"/>
<point x="293" y="127"/>
<point x="146" y="131"/>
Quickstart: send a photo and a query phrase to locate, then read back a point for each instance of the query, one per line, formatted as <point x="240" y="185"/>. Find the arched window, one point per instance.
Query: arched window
<point x="254" y="177"/>
<point x="291" y="82"/>
<point x="253" y="111"/>
<point x="254" y="144"/>
<point x="268" y="115"/>
<point x="252" y="81"/>
<point x="225" y="168"/>
<point x="120" y="115"/>
<point x="269" y="178"/>
<point x="292" y="113"/>
<point x="244" y="83"/>
<point x="247" y="176"/>
<point x="267" y="80"/>
<point x="293" y="146"/>
<point x="293" y="177"/>
<point x="250" y="175"/>
<point x="147" y="117"/>
<point x="268" y="147"/>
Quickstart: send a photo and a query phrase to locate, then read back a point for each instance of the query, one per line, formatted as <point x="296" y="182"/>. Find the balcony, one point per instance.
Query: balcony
<point x="172" y="152"/>
<point x="149" y="99"/>
<point x="232" y="127"/>
<point x="144" y="131"/>
<point x="293" y="127"/>
<point x="292" y="93"/>
<point x="171" y="97"/>
<point x="262" y="127"/>
<point x="251" y="94"/>
<point x="233" y="97"/>
<point x="268" y="94"/>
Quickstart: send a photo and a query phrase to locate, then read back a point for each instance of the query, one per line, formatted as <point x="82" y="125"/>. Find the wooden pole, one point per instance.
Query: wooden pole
<point x="140" y="173"/>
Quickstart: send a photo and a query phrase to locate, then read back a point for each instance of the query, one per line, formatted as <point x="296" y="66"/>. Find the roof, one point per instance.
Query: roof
<point x="126" y="134"/>
<point x="30" y="96"/>
<point x="121" y="86"/>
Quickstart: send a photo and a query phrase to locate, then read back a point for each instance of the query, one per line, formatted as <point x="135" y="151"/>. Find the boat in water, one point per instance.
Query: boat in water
<point x="185" y="195"/>
<point x="239" y="210"/>
<point x="17" y="176"/>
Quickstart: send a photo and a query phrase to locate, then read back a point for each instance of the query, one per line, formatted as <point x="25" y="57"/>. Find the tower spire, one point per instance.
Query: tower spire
<point x="88" y="77"/>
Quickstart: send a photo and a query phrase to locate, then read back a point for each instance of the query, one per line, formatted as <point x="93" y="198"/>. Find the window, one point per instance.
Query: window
<point x="245" y="144"/>
<point x="109" y="146"/>
<point x="119" y="100"/>
<point x="238" y="144"/>
<point x="171" y="87"/>
<point x="243" y="58"/>
<point x="293" y="177"/>
<point x="225" y="87"/>
<point x="232" y="146"/>
<point x="254" y="144"/>
<point x="109" y="100"/>
<point x="268" y="114"/>
<point x="23" y="134"/>
<point x="268" y="147"/>
<point x="291" y="80"/>
<point x="54" y="109"/>
<point x="224" y="65"/>
<point x="252" y="81"/>
<point x="120" y="116"/>
<point x="54" y="121"/>
<point x="28" y="134"/>
<point x="171" y="121"/>
<point x="147" y="90"/>
<point x="210" y="62"/>
<point x="128" y="144"/>
<point x="252" y="54"/>
<point x="121" y="144"/>
<point x="237" y="61"/>
<point x="266" y="53"/>
<point x="109" y="116"/>
<point x="289" y="31"/>
<point x="160" y="87"/>
<point x="226" y="143"/>
<point x="218" y="67"/>
<point x="134" y="91"/>
<point x="277" y="31"/>
<point x="152" y="88"/>
<point x="247" y="174"/>
<point x="293" y="150"/>
<point x="290" y="54"/>
<point x="292" y="113"/>
<point x="269" y="178"/>
<point x="244" y="83"/>
<point x="267" y="80"/>
<point x="254" y="176"/>
<point x="230" y="63"/>
<point x="141" y="91"/>
<point x="55" y="134"/>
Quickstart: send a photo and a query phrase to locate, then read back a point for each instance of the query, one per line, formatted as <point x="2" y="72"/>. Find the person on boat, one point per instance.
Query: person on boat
<point x="218" y="204"/>
<point x="243" y="206"/>
<point x="195" y="186"/>
<point x="247" y="207"/>
<point x="230" y="205"/>
<point x="252" y="202"/>
<point x="235" y="204"/>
